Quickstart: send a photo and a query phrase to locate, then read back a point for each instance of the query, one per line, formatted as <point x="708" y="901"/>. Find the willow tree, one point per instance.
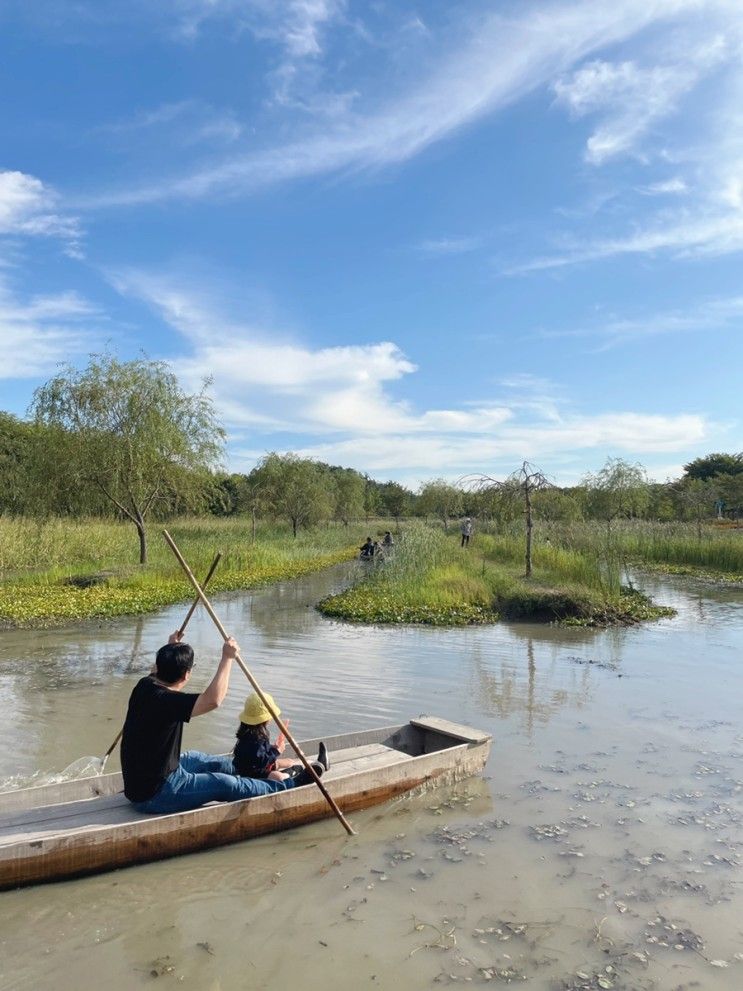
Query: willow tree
<point x="441" y="499"/>
<point x="128" y="430"/>
<point x="348" y="495"/>
<point x="295" y="488"/>
<point x="619" y="491"/>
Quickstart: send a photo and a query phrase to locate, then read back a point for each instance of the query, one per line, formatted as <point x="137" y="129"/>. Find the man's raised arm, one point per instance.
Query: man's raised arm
<point x="213" y="696"/>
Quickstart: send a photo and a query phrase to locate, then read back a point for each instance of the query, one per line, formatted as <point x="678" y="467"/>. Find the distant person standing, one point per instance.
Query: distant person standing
<point x="466" y="530"/>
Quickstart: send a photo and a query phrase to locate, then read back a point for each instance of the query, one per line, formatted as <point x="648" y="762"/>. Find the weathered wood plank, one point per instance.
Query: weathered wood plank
<point x="455" y="730"/>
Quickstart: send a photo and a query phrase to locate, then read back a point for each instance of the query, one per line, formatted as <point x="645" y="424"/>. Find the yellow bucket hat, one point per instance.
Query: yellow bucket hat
<point x="254" y="711"/>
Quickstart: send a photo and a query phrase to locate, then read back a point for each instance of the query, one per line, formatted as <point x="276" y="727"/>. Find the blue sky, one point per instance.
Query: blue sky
<point x="418" y="239"/>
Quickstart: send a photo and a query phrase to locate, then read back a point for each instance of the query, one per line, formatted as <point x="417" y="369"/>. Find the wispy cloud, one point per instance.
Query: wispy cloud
<point x="29" y="207"/>
<point x="39" y="332"/>
<point x="457" y="245"/>
<point x="666" y="187"/>
<point x="500" y="61"/>
<point x="705" y="151"/>
<point x="188" y="122"/>
<point x="716" y="314"/>
<point x="630" y="97"/>
<point x="296" y="25"/>
<point x="708" y="232"/>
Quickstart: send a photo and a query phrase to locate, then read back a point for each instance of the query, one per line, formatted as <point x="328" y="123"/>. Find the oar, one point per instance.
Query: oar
<point x="89" y="763"/>
<point x="257" y="688"/>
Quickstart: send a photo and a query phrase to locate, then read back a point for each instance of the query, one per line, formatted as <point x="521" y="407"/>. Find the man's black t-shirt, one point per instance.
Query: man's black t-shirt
<point x="151" y="744"/>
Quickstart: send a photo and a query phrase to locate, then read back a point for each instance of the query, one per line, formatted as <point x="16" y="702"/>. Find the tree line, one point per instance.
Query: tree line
<point x="123" y="439"/>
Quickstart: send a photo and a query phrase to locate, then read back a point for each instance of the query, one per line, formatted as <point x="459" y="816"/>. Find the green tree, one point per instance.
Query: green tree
<point x="696" y="498"/>
<point x="295" y="488"/>
<point x="440" y="499"/>
<point x="394" y="500"/>
<point x="16" y="443"/>
<point x="349" y="495"/>
<point x="715" y="464"/>
<point x="619" y="491"/>
<point x="556" y="505"/>
<point x="128" y="431"/>
<point x="662" y="505"/>
<point x="730" y="489"/>
<point x="372" y="498"/>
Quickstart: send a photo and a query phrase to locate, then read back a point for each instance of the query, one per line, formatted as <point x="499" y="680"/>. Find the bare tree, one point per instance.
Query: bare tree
<point x="520" y="484"/>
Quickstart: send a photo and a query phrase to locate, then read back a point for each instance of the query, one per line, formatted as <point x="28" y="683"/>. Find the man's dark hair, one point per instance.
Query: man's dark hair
<point x="173" y="662"/>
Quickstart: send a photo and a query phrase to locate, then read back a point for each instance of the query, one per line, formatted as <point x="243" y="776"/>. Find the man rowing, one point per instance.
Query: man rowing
<point x="158" y="778"/>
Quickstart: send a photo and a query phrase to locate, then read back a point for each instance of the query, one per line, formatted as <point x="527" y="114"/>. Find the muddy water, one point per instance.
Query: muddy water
<point x="602" y="849"/>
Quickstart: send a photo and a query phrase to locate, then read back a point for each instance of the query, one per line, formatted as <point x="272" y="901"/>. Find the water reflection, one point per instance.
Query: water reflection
<point x="519" y="686"/>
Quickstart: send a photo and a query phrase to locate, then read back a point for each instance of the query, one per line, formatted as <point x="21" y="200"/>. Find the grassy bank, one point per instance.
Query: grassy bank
<point x="41" y="561"/>
<point x="429" y="579"/>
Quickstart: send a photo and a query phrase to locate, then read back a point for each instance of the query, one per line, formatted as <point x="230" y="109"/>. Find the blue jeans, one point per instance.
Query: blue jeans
<point x="201" y="778"/>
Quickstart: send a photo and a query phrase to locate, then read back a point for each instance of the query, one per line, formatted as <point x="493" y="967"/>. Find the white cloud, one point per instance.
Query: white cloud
<point x="296" y="25"/>
<point x="38" y="333"/>
<point x="632" y="98"/>
<point x="501" y="61"/>
<point x="704" y="149"/>
<point x="27" y="206"/>
<point x="667" y="187"/>
<point x="339" y="406"/>
<point x="638" y="97"/>
<point x="627" y="433"/>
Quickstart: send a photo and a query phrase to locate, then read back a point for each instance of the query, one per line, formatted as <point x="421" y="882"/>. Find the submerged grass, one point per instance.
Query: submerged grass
<point x="42" y="561"/>
<point x="431" y="580"/>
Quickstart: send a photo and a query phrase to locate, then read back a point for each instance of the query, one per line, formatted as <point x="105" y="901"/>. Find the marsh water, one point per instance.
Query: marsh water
<point x="601" y="849"/>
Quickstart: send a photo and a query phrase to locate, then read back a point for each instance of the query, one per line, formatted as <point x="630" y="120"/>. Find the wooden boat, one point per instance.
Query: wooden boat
<point x="85" y="826"/>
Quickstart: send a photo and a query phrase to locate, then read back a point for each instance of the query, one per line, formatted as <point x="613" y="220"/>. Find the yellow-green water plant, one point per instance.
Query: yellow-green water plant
<point x="30" y="596"/>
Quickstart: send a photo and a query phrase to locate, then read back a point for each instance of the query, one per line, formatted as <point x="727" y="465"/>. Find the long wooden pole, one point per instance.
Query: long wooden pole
<point x="257" y="688"/>
<point x="183" y="626"/>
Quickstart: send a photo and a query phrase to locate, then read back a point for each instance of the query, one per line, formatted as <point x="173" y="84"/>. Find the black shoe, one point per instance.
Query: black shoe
<point x="322" y="756"/>
<point x="305" y="778"/>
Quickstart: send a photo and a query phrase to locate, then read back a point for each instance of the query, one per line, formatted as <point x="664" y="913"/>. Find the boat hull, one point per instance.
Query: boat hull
<point x="362" y="781"/>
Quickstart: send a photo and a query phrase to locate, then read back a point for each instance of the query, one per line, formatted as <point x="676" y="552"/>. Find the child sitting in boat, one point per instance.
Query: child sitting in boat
<point x="255" y="756"/>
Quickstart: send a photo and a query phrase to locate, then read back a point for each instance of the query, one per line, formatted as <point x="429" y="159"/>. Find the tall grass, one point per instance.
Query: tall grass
<point x="679" y="545"/>
<point x="39" y="559"/>
<point x="74" y="546"/>
<point x="431" y="579"/>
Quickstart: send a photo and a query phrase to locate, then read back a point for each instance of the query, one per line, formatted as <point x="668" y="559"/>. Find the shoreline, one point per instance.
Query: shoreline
<point x="38" y="604"/>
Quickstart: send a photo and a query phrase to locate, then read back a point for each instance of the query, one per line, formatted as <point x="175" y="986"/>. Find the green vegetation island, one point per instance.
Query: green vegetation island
<point x="110" y="453"/>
